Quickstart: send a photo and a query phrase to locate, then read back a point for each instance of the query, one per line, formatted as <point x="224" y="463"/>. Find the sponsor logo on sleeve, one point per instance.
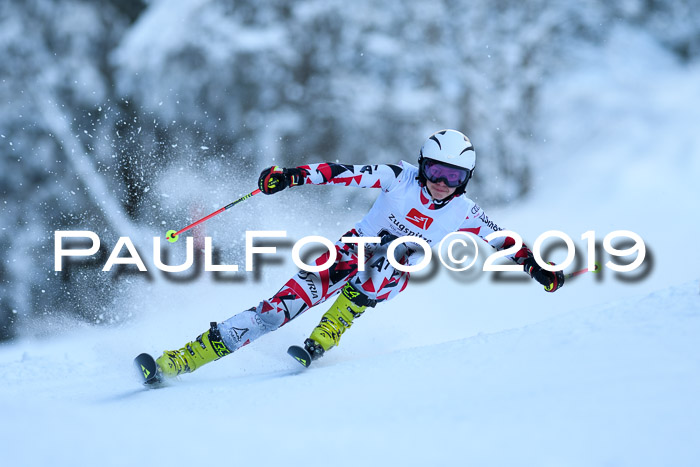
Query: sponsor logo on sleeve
<point x="490" y="224"/>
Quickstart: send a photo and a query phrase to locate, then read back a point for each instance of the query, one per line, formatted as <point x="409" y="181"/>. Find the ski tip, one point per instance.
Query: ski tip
<point x="147" y="368"/>
<point x="300" y="355"/>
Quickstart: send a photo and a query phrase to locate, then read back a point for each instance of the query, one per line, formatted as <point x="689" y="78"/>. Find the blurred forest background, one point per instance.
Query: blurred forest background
<point x="108" y="104"/>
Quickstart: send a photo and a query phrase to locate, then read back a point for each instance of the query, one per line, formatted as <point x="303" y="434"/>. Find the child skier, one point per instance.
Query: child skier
<point x="427" y="201"/>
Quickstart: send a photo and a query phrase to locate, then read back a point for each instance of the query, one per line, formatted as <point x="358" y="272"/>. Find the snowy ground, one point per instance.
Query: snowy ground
<point x="456" y="370"/>
<point x="613" y="386"/>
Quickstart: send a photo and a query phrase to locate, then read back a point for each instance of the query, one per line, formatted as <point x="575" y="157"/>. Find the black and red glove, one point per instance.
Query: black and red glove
<point x="274" y="179"/>
<point x="552" y="281"/>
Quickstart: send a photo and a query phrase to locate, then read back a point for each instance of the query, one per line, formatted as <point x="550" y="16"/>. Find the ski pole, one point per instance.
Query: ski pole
<point x="596" y="268"/>
<point x="172" y="235"/>
<point x="576" y="273"/>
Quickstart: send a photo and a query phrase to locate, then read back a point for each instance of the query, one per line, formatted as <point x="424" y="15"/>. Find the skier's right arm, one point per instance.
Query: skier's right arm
<point x="274" y="179"/>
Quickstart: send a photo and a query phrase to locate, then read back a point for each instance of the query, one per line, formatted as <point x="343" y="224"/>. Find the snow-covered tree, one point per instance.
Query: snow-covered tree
<point x="107" y="102"/>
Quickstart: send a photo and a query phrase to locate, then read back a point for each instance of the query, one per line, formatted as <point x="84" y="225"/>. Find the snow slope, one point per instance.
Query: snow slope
<point x="459" y="369"/>
<point x="616" y="385"/>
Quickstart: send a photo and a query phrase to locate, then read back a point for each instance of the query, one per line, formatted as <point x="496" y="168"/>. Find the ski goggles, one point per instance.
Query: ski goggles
<point x="439" y="172"/>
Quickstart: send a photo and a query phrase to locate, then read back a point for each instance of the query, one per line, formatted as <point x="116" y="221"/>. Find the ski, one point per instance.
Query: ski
<point x="300" y="354"/>
<point x="147" y="368"/>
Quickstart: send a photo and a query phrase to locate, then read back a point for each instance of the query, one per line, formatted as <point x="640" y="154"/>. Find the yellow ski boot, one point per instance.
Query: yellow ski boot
<point x="206" y="348"/>
<point x="333" y="324"/>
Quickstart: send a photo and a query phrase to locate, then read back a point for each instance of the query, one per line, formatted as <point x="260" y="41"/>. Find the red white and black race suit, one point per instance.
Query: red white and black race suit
<point x="403" y="208"/>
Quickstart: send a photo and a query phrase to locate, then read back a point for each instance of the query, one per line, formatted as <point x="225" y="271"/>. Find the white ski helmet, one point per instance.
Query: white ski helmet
<point x="451" y="148"/>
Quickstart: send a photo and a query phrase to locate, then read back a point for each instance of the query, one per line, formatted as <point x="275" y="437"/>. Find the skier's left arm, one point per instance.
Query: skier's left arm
<point x="479" y="224"/>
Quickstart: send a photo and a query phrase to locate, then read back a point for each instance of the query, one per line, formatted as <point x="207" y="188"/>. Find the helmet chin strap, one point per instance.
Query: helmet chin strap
<point x="439" y="202"/>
